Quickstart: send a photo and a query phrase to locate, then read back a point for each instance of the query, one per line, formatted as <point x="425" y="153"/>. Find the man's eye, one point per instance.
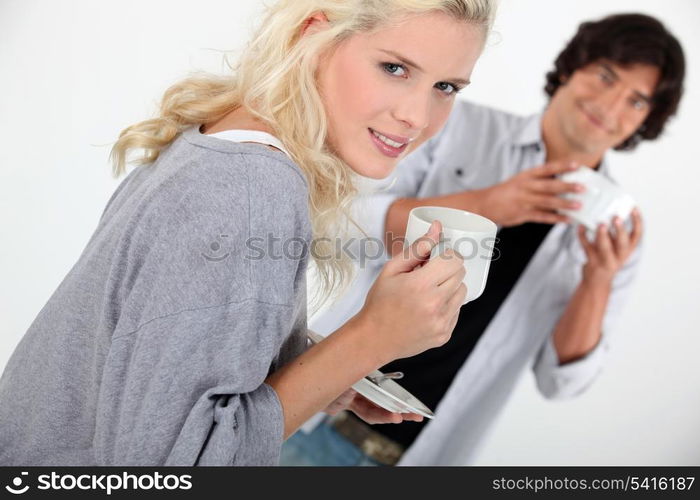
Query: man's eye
<point x="605" y="78"/>
<point x="394" y="69"/>
<point x="447" y="88"/>
<point x="638" y="104"/>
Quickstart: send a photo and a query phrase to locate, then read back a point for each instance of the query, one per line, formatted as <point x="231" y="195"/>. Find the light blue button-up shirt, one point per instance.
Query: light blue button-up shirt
<point x="480" y="147"/>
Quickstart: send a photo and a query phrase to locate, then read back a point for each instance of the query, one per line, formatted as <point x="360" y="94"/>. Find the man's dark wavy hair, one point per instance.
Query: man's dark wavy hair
<point x="628" y="39"/>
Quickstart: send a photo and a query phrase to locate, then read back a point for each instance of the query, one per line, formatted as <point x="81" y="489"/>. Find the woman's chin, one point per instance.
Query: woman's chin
<point x="373" y="169"/>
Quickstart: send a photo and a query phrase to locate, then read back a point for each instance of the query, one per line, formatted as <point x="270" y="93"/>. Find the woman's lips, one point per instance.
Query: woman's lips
<point x="387" y="149"/>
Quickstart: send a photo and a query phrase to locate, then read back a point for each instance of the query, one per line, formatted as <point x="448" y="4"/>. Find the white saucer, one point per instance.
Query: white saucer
<point x="387" y="394"/>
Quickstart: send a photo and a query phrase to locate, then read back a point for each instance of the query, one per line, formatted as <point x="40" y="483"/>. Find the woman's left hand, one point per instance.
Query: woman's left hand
<point x="368" y="411"/>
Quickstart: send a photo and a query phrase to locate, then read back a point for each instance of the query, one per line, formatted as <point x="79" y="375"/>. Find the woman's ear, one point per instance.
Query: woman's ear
<point x="314" y="24"/>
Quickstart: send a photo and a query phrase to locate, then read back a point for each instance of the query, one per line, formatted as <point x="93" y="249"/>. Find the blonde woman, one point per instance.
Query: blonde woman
<point x="178" y="337"/>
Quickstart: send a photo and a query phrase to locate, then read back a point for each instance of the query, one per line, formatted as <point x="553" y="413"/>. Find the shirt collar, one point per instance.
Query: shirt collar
<point x="529" y="132"/>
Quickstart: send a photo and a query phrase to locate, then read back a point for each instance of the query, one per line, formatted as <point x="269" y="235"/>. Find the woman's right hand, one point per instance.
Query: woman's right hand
<point x="413" y="306"/>
<point x="414" y="303"/>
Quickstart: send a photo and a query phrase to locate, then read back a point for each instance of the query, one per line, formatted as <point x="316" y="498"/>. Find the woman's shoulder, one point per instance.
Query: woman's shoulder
<point x="202" y="184"/>
<point x="233" y="160"/>
<point x="206" y="215"/>
<point x="199" y="173"/>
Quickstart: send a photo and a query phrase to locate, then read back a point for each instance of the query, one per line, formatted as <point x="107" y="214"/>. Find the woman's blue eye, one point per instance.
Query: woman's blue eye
<point x="394" y="69"/>
<point x="447" y="88"/>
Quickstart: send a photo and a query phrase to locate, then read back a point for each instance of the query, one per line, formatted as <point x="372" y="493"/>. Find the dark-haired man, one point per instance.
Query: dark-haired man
<point x="552" y="295"/>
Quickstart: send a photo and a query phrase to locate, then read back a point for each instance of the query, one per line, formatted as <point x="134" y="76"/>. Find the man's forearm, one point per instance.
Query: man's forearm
<point x="579" y="328"/>
<point x="397" y="215"/>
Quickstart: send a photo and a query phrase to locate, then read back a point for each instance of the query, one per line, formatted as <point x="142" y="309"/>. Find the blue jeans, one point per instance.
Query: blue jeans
<point x="323" y="446"/>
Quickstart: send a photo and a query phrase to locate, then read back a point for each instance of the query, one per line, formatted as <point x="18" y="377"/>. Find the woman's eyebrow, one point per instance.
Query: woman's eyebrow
<point x="408" y="62"/>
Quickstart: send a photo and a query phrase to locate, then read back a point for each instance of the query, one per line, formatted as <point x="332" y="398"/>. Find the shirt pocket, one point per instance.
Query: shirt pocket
<point x="453" y="177"/>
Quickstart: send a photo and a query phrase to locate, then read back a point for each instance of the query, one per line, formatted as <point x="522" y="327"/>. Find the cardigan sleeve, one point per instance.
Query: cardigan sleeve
<point x="215" y="302"/>
<point x="188" y="389"/>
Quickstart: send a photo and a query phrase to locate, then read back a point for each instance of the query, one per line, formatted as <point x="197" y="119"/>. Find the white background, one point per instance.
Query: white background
<point x="75" y="72"/>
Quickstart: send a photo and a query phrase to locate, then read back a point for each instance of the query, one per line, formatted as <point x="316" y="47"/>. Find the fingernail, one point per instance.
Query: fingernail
<point x="573" y="165"/>
<point x="580" y="188"/>
<point x="424" y="247"/>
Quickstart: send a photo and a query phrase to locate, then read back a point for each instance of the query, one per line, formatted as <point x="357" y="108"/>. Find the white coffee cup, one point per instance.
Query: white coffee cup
<point x="471" y="235"/>
<point x="600" y="202"/>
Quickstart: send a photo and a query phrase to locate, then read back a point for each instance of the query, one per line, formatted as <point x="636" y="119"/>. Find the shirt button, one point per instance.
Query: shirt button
<point x="459" y="172"/>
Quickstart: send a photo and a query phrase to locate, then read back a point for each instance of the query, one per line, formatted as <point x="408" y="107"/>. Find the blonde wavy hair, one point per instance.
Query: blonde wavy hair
<point x="274" y="79"/>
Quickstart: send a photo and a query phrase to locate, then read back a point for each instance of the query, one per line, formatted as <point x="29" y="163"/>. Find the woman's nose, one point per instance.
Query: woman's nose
<point x="413" y="110"/>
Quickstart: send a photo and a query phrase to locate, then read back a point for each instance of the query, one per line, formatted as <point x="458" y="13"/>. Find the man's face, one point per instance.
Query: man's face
<point x="602" y="104"/>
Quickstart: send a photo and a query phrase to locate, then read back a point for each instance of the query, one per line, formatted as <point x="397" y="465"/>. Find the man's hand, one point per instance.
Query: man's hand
<point x="579" y="329"/>
<point x="610" y="249"/>
<point x="368" y="411"/>
<point x="533" y="195"/>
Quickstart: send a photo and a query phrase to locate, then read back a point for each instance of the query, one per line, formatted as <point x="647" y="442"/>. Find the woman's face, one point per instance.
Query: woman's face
<point x="387" y="92"/>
